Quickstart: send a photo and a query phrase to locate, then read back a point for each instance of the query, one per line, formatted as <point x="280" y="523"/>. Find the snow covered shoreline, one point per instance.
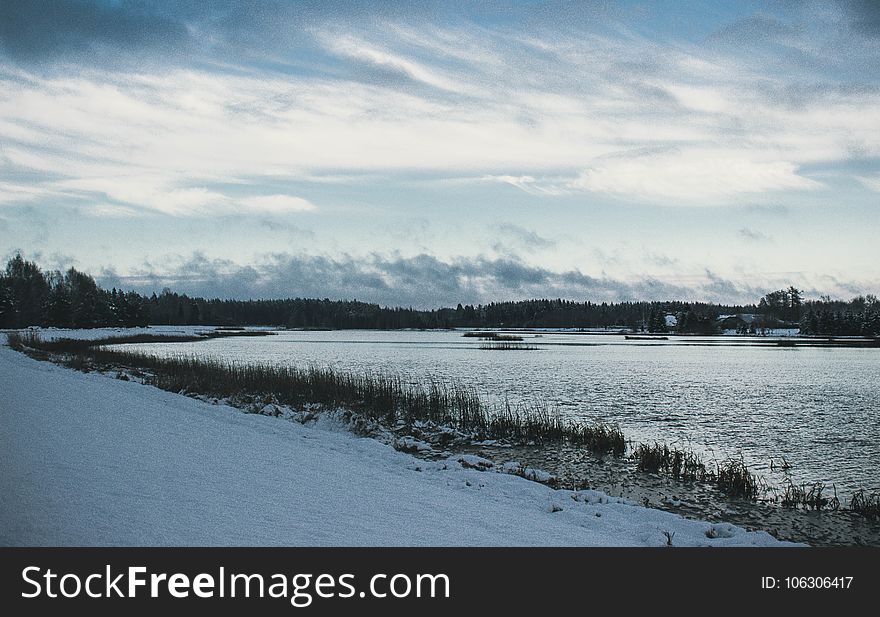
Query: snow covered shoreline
<point x="89" y="460"/>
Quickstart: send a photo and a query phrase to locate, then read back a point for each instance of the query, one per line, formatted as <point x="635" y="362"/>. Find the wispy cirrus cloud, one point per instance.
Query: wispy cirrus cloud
<point x="691" y="176"/>
<point x="718" y="132"/>
<point x="528" y="184"/>
<point x="161" y="193"/>
<point x="355" y="49"/>
<point x="277" y="203"/>
<point x="12" y="192"/>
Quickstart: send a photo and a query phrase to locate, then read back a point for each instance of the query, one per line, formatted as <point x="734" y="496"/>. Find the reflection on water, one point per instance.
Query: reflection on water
<point x="817" y="407"/>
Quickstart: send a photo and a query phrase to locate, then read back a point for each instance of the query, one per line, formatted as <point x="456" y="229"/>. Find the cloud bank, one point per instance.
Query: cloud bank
<point x="424" y="281"/>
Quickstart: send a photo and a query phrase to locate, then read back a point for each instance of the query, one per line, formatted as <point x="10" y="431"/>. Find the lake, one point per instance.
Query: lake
<point x="818" y="407"/>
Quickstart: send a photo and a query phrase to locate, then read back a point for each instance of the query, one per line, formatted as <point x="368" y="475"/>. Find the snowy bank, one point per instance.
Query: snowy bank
<point x="89" y="460"/>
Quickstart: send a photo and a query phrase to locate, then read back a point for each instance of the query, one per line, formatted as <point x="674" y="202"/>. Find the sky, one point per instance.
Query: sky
<point x="429" y="153"/>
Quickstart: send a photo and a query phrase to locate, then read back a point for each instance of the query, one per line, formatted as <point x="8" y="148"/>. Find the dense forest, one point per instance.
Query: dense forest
<point x="31" y="297"/>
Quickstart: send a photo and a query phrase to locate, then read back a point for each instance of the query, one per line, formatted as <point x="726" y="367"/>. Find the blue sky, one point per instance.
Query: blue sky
<point x="433" y="153"/>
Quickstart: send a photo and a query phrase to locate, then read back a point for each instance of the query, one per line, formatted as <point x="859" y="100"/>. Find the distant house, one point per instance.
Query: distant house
<point x="671" y="321"/>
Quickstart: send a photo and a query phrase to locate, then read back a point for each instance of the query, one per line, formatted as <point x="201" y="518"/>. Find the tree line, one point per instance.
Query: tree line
<point x="73" y="299"/>
<point x="857" y="317"/>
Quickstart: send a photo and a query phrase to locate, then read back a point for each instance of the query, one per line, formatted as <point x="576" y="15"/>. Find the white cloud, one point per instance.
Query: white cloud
<point x="16" y="193"/>
<point x="690" y="176"/>
<point x="528" y="184"/>
<point x="151" y="191"/>
<point x="166" y="141"/>
<point x="277" y="204"/>
<point x="701" y="99"/>
<point x="105" y="210"/>
<point x="163" y="194"/>
<point x="352" y="47"/>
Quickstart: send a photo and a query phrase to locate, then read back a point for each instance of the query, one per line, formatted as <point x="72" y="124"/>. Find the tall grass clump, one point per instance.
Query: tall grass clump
<point x="504" y="345"/>
<point x="385" y="398"/>
<point x="680" y="464"/>
<point x="731" y="477"/>
<point x="542" y="424"/>
<point x="492" y="336"/>
<point x="735" y="479"/>
<point x="868" y="505"/>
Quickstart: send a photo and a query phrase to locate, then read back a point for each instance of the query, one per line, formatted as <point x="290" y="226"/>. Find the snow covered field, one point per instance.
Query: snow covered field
<point x="90" y="460"/>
